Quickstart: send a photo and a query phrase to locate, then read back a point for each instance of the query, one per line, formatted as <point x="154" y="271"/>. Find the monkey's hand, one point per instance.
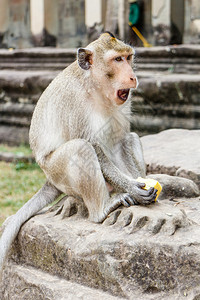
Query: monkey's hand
<point x="126" y="200"/>
<point x="123" y="183"/>
<point x="140" y="195"/>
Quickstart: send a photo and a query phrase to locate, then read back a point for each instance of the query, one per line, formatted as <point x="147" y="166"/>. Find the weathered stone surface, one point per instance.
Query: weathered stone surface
<point x="36" y="58"/>
<point x="174" y="59"/>
<point x="26" y="283"/>
<point x="19" y="91"/>
<point x="177" y="59"/>
<point x="168" y="92"/>
<point x="22" y="84"/>
<point x="164" y="101"/>
<point x="137" y="253"/>
<point x="162" y="88"/>
<point x="174" y="152"/>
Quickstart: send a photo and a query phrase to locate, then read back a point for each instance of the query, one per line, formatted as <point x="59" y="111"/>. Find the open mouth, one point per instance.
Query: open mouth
<point x="123" y="94"/>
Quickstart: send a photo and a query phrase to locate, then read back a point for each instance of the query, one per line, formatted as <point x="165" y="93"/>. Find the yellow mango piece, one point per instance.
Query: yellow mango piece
<point x="149" y="182"/>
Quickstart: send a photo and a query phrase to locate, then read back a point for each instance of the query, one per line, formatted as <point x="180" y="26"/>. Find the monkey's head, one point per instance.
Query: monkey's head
<point x="109" y="63"/>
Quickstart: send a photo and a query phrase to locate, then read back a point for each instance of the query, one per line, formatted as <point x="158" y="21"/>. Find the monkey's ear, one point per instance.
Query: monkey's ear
<point x="84" y="58"/>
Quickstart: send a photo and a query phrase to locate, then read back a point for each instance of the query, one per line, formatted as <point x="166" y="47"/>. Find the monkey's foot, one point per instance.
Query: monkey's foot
<point x="154" y="219"/>
<point x="69" y="206"/>
<point x="117" y="200"/>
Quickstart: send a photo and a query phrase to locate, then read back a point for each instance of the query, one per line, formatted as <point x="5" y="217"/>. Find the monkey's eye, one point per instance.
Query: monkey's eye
<point x="129" y="57"/>
<point x="119" y="58"/>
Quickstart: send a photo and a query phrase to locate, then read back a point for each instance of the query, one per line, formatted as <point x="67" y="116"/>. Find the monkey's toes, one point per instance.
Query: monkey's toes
<point x="112" y="217"/>
<point x="69" y="206"/>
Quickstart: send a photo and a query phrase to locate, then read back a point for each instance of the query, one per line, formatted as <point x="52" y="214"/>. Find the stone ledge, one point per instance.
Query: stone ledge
<point x="168" y="89"/>
<point x="37" y="58"/>
<point x="30" y="284"/>
<point x="180" y="58"/>
<point x="184" y="50"/>
<point x="22" y="86"/>
<point x="143" y="260"/>
<point x="166" y="98"/>
<point x="174" y="152"/>
<point x="14" y="135"/>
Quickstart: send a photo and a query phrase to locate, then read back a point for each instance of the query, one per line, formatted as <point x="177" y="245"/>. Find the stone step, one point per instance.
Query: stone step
<point x="174" y="59"/>
<point x="174" y="152"/>
<point x="27" y="283"/>
<point x="132" y="255"/>
<point x="178" y="59"/>
<point x="26" y="86"/>
<point x="158" y="88"/>
<point x="36" y="58"/>
<point x="20" y="86"/>
<point x="162" y="101"/>
<point x="14" y="135"/>
<point x="167" y="96"/>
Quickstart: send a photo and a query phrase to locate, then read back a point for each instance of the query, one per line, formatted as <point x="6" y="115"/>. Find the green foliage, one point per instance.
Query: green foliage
<point x="20" y="165"/>
<point x="18" y="183"/>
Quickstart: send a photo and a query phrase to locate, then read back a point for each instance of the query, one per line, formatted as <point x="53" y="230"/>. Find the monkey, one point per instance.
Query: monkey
<point x="80" y="137"/>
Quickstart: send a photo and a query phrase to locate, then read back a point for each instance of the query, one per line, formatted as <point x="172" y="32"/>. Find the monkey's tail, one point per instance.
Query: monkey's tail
<point x="46" y="195"/>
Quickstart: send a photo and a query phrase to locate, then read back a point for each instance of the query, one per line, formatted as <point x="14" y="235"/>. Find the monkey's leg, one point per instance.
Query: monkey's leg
<point x="74" y="169"/>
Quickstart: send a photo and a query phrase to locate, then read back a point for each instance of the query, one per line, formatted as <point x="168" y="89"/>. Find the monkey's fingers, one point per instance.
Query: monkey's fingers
<point x="146" y="193"/>
<point x="151" y="191"/>
<point x="149" y="197"/>
<point x="140" y="184"/>
<point x="127" y="200"/>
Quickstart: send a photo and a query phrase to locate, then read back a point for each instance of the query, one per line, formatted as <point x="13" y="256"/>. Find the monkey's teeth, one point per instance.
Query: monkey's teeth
<point x="123" y="94"/>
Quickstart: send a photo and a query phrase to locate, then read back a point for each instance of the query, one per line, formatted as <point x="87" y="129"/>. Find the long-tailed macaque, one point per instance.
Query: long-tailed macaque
<point x="80" y="136"/>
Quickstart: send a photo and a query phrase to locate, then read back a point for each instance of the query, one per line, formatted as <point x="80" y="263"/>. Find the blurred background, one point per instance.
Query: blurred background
<point x="74" y="23"/>
<point x="39" y="38"/>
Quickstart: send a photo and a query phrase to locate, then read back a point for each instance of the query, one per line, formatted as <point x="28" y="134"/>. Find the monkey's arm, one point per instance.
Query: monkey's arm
<point x="123" y="183"/>
<point x="46" y="195"/>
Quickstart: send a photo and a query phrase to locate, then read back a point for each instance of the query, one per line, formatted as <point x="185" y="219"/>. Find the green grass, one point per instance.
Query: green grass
<point x="18" y="183"/>
<point x="22" y="149"/>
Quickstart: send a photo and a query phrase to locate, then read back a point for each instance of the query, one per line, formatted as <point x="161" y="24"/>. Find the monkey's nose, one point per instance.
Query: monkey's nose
<point x="134" y="81"/>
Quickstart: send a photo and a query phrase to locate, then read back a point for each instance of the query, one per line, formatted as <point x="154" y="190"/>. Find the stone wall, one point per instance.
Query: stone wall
<point x="168" y="95"/>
